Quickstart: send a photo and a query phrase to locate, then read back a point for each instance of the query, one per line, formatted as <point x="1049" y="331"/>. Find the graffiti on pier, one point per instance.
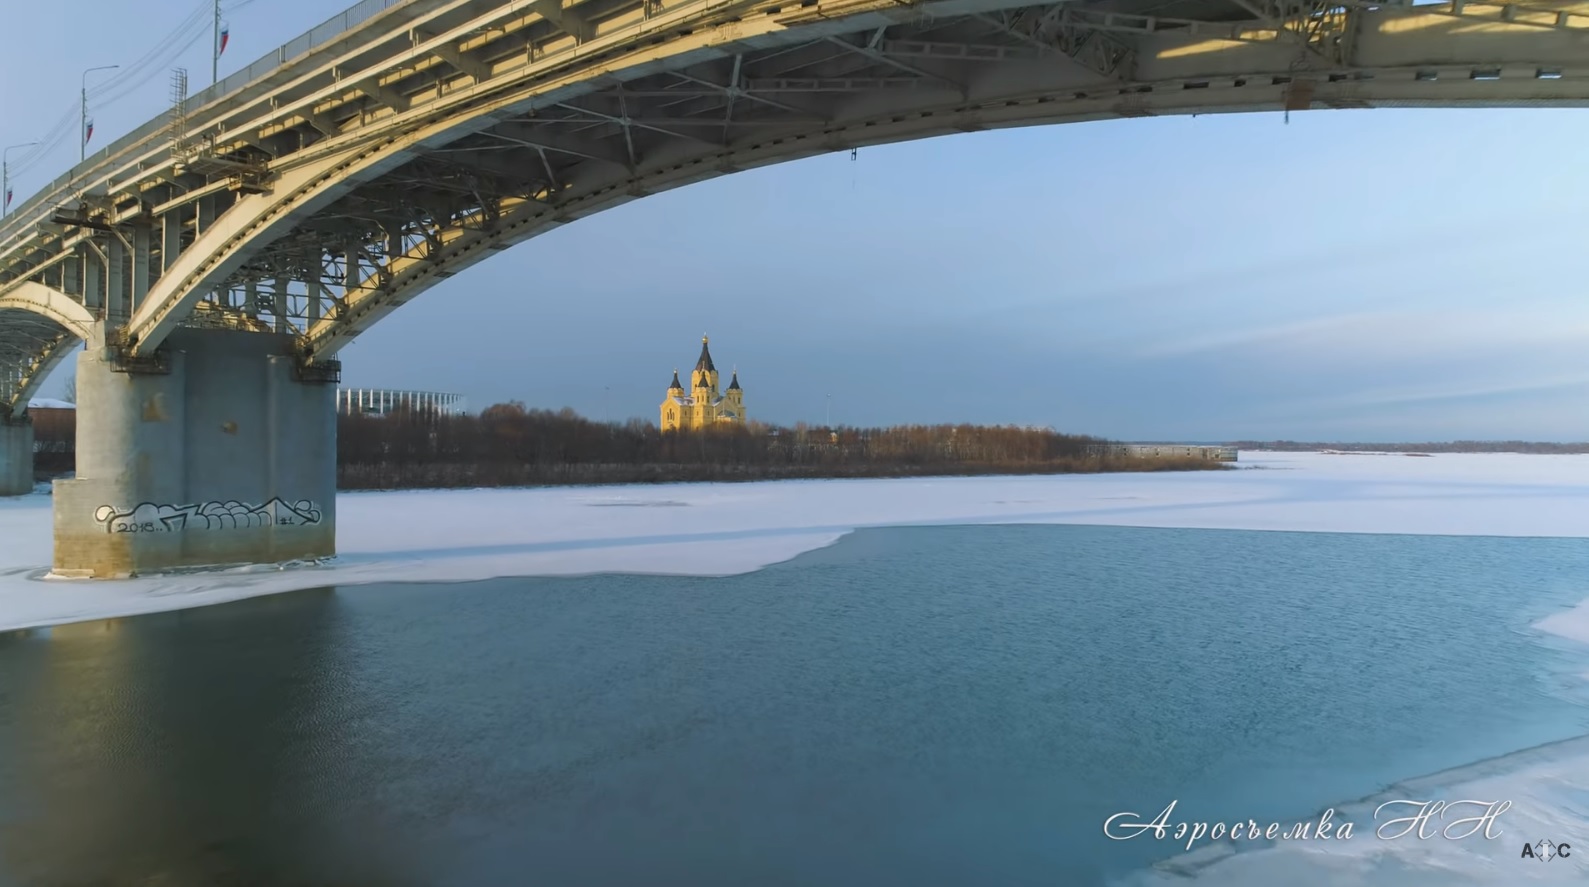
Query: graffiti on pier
<point x="148" y="517"/>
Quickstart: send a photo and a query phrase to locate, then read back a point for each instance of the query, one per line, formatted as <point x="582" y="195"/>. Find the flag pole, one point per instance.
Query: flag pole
<point x="215" y="46"/>
<point x="85" y="129"/>
<point x="5" y="176"/>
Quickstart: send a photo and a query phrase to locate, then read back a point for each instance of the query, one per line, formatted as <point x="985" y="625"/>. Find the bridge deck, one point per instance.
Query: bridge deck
<point x="337" y="178"/>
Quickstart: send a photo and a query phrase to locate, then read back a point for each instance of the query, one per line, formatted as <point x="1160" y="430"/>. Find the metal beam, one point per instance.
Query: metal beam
<point x="972" y="52"/>
<point x="1054" y="32"/>
<point x="565" y="18"/>
<point x="385" y="96"/>
<point x="474" y="68"/>
<point x="321" y="123"/>
<point x="877" y="56"/>
<point x="833" y="84"/>
<point x="529" y="135"/>
<point x="663" y="126"/>
<point x="738" y="87"/>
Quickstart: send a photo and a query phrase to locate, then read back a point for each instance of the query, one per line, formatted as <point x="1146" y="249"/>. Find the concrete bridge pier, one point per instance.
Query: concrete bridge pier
<point x="16" y="455"/>
<point x="219" y="451"/>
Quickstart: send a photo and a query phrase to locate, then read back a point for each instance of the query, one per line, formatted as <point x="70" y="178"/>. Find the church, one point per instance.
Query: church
<point x="702" y="406"/>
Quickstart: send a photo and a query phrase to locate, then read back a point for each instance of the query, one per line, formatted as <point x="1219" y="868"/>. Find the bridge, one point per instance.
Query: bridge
<point x="215" y="261"/>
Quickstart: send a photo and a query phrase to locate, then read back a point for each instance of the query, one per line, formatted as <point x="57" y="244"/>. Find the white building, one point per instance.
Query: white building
<point x="380" y="401"/>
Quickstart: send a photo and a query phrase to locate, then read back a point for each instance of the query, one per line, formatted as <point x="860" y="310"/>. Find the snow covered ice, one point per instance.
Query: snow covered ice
<point x="721" y="529"/>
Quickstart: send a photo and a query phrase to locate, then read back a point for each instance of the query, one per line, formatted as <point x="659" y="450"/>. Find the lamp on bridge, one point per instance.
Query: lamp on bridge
<point x="5" y="176"/>
<point x="82" y="113"/>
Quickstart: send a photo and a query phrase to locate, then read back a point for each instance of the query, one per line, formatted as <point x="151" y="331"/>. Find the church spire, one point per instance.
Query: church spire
<point x="675" y="386"/>
<point x="705" y="363"/>
<point x="733" y="383"/>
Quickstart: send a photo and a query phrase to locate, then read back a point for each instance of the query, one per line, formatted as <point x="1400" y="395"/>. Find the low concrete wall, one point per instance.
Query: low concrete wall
<point x="227" y="459"/>
<point x="16" y="457"/>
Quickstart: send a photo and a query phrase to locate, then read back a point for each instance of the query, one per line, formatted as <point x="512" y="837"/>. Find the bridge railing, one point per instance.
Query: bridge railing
<point x="38" y="207"/>
<point x="325" y="32"/>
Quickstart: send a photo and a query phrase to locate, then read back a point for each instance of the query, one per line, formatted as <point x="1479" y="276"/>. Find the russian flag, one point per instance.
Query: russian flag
<point x="226" y="34"/>
<point x="88" y="131"/>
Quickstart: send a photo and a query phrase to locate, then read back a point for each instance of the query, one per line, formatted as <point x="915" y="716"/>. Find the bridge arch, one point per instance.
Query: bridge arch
<point x="52" y="304"/>
<point x="359" y="174"/>
<point x="39" y="326"/>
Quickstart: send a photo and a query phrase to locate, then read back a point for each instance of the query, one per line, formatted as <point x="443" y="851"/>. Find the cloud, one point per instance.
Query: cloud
<point x="1334" y="330"/>
<point x="1436" y="394"/>
<point x="1388" y="338"/>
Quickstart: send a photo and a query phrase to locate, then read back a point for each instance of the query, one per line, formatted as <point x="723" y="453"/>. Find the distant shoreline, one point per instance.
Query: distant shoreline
<point x="1520" y="447"/>
<point x="358" y="477"/>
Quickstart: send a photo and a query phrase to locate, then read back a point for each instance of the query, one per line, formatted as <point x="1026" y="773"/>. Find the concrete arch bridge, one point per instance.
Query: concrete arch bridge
<point x="215" y="260"/>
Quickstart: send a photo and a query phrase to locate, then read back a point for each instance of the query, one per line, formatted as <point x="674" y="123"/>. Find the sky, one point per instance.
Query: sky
<point x="1346" y="275"/>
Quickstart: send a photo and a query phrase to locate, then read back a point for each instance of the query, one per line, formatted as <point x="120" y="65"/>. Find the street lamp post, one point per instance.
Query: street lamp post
<point x="5" y="176"/>
<point x="82" y="112"/>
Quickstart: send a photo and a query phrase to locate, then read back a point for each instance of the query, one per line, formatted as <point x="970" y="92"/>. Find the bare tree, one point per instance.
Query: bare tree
<point x="511" y="444"/>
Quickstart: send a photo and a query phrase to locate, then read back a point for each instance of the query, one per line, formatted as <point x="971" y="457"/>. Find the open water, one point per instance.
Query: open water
<point x="920" y="706"/>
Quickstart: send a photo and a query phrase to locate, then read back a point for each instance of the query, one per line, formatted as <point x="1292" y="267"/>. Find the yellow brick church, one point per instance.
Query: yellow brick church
<point x="702" y="406"/>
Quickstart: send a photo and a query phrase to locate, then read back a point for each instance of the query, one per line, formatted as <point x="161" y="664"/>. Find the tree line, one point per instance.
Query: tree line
<point x="511" y="445"/>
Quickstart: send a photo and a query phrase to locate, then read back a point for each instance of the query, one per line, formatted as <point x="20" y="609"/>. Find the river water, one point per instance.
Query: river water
<point x="943" y="705"/>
